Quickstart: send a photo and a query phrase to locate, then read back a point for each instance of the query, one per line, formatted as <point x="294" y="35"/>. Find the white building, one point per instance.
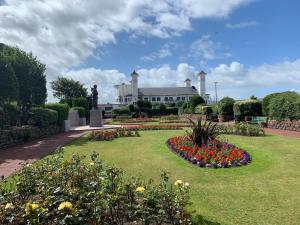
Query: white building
<point x="131" y="93"/>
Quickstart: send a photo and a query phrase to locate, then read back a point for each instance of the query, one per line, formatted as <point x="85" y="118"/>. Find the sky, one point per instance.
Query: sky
<point x="250" y="47"/>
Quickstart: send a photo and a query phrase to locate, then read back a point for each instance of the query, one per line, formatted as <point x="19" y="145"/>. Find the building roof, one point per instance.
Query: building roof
<point x="167" y="91"/>
<point x="202" y="72"/>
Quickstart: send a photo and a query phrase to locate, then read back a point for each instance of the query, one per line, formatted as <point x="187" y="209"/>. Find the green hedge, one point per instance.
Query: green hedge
<point x="225" y="106"/>
<point x="43" y="117"/>
<point x="61" y="109"/>
<point x="247" y="108"/>
<point x="82" y="102"/>
<point x="81" y="111"/>
<point x="204" y="110"/>
<point x="281" y="108"/>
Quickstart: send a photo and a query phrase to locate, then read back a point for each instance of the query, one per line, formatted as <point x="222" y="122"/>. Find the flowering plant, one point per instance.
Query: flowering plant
<point x="59" y="191"/>
<point x="153" y="127"/>
<point x="214" y="154"/>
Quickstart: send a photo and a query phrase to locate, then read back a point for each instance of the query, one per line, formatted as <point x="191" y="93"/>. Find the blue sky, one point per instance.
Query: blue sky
<point x="249" y="47"/>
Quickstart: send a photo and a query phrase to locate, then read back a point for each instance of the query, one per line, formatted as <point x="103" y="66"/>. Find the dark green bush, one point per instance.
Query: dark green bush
<point x="61" y="109"/>
<point x="82" y="102"/>
<point x="43" y="117"/>
<point x="194" y="101"/>
<point x="282" y="107"/>
<point x="172" y="111"/>
<point x="247" y="108"/>
<point x="81" y="111"/>
<point x="121" y="111"/>
<point x="225" y="106"/>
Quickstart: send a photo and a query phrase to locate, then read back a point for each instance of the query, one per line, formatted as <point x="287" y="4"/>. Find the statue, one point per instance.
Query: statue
<point x="94" y="96"/>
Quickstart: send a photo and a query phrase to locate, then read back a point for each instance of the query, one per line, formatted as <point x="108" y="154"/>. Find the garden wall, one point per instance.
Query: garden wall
<point x="18" y="135"/>
<point x="284" y="125"/>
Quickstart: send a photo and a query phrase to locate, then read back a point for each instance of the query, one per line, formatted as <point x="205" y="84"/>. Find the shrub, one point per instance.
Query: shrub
<point x="244" y="129"/>
<point x="59" y="191"/>
<point x="247" y="108"/>
<point x="204" y="110"/>
<point x="170" y="117"/>
<point x="121" y="111"/>
<point x="202" y="132"/>
<point x="82" y="102"/>
<point x="172" y="111"/>
<point x="61" y="109"/>
<point x="43" y="117"/>
<point x="81" y="111"/>
<point x="194" y="101"/>
<point x="225" y="106"/>
<point x="284" y="107"/>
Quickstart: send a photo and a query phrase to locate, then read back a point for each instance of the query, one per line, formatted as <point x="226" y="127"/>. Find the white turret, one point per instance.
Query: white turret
<point x="188" y="82"/>
<point x="134" y="86"/>
<point x="202" y="84"/>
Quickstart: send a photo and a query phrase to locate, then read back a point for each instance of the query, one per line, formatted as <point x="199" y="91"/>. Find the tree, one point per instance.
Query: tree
<point x="8" y="83"/>
<point x="252" y="97"/>
<point x="68" y="89"/>
<point x="194" y="101"/>
<point x="225" y="106"/>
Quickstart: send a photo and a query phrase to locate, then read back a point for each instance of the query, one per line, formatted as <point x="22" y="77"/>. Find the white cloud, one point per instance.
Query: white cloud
<point x="242" y="25"/>
<point x="206" y="48"/>
<point x="163" y="52"/>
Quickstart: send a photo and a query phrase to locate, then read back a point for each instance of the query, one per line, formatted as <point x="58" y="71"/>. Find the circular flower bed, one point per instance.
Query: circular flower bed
<point x="215" y="154"/>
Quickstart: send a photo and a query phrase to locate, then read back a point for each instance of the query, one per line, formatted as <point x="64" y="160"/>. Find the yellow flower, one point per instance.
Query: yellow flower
<point x="31" y="207"/>
<point x="92" y="164"/>
<point x="9" y="206"/>
<point x="65" y="205"/>
<point x="140" y="189"/>
<point x="186" y="184"/>
<point x="178" y="182"/>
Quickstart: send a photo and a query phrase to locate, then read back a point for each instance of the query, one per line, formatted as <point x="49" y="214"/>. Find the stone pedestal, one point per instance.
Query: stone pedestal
<point x="96" y="118"/>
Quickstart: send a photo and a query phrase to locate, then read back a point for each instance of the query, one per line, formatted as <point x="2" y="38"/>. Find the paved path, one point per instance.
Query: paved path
<point x="11" y="159"/>
<point x="295" y="134"/>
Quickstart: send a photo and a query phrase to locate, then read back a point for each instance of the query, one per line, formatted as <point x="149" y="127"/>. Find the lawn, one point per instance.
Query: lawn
<point x="264" y="192"/>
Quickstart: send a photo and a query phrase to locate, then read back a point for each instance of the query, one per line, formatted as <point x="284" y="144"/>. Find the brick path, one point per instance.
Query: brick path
<point x="11" y="159"/>
<point x="283" y="132"/>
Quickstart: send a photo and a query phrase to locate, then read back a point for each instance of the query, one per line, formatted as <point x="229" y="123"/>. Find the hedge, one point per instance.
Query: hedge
<point x="281" y="108"/>
<point x="61" y="109"/>
<point x="225" y="106"/>
<point x="204" y="110"/>
<point x="82" y="102"/>
<point x="121" y="111"/>
<point x="81" y="111"/>
<point x="247" y="108"/>
<point x="42" y="117"/>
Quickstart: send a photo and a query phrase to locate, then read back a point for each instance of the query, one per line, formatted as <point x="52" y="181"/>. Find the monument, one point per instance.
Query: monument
<point x="95" y="112"/>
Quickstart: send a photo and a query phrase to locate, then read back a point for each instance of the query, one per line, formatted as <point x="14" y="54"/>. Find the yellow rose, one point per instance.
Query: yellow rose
<point x="140" y="189"/>
<point x="65" y="205"/>
<point x="9" y="206"/>
<point x="178" y="182"/>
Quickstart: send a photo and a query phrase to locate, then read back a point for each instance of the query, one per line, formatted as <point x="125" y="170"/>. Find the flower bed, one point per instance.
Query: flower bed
<point x="153" y="127"/>
<point x="102" y="135"/>
<point x="215" y="154"/>
<point x="175" y="121"/>
<point x="135" y="120"/>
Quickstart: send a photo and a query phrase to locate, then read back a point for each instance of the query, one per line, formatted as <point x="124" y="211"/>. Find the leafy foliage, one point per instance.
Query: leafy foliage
<point x="8" y="83"/>
<point x="82" y="102"/>
<point x="202" y="132"/>
<point x="194" y="101"/>
<point x="225" y="106"/>
<point x="81" y="111"/>
<point x="247" y="108"/>
<point x="68" y="89"/>
<point x="204" y="110"/>
<point x="61" y="109"/>
<point x="42" y="117"/>
<point x="58" y="191"/>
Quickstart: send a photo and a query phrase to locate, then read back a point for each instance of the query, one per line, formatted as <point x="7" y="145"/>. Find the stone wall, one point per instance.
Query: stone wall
<point x="284" y="125"/>
<point x="18" y="135"/>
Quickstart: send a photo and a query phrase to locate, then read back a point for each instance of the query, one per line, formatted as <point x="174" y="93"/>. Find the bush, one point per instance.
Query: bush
<point x="225" y="106"/>
<point x="204" y="110"/>
<point x="121" y="111"/>
<point x="59" y="191"/>
<point x="289" y="95"/>
<point x="82" y="102"/>
<point x="42" y="117"/>
<point x="61" y="109"/>
<point x="172" y="111"/>
<point x="81" y="111"/>
<point x="194" y="101"/>
<point x="247" y="108"/>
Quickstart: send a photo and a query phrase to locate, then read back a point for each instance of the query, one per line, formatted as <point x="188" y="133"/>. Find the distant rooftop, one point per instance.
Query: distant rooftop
<point x="168" y="91"/>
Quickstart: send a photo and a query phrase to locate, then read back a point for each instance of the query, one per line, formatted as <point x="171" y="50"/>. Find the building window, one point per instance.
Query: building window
<point x="178" y="98"/>
<point x="125" y="99"/>
<point x="158" y="99"/>
<point x="146" y="99"/>
<point x="166" y="99"/>
<point x="171" y="99"/>
<point x="153" y="99"/>
<point x="183" y="98"/>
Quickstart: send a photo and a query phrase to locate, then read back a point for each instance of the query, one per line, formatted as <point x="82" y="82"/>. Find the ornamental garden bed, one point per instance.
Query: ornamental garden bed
<point x="215" y="154"/>
<point x="153" y="127"/>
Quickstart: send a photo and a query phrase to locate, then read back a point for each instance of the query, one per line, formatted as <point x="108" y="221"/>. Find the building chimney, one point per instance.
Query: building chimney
<point x="134" y="86"/>
<point x="202" y="85"/>
<point x="187" y="82"/>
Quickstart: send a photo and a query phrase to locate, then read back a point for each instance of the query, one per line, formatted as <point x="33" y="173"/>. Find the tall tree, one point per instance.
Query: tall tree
<point x="8" y="83"/>
<point x="68" y="89"/>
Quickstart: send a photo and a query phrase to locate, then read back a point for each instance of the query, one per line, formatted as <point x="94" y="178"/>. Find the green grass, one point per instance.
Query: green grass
<point x="264" y="192"/>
